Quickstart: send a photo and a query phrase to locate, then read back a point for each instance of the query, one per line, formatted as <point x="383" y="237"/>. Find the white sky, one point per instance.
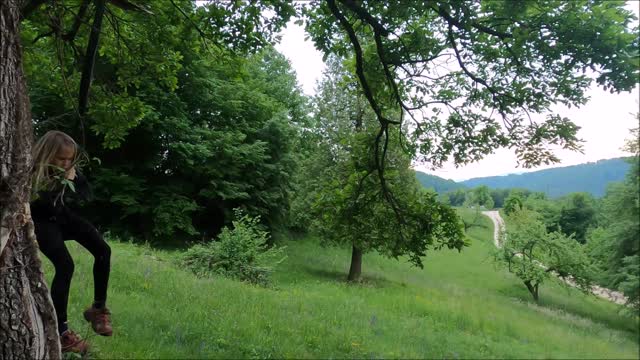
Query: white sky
<point x="605" y="120"/>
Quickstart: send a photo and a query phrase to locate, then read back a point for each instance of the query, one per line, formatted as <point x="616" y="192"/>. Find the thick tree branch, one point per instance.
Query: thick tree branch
<point x="463" y="66"/>
<point x="43" y="35"/>
<point x="90" y="57"/>
<point x="387" y="72"/>
<point x="380" y="31"/>
<point x="384" y="122"/>
<point x="359" y="62"/>
<point x="364" y="15"/>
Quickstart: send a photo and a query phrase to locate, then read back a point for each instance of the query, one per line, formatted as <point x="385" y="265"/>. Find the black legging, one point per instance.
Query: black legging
<point x="51" y="235"/>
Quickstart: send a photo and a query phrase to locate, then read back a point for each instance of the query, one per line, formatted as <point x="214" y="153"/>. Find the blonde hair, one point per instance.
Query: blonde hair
<point x="44" y="152"/>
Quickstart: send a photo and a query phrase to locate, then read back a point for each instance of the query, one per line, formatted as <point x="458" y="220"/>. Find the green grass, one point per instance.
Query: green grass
<point x="458" y="306"/>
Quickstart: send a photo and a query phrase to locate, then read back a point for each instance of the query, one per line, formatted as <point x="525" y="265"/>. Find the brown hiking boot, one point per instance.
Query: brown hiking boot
<point x="100" y="320"/>
<point x="72" y="342"/>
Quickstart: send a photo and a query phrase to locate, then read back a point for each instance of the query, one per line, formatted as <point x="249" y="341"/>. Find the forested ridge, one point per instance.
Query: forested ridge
<point x="590" y="177"/>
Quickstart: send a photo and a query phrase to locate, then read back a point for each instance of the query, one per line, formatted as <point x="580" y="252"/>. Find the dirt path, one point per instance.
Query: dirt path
<point x="615" y="296"/>
<point x="498" y="224"/>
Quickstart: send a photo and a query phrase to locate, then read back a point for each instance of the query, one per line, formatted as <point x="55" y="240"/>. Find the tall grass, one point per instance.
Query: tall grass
<point x="458" y="306"/>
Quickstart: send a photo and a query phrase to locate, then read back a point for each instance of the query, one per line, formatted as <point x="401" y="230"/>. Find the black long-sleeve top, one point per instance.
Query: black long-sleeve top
<point x="48" y="206"/>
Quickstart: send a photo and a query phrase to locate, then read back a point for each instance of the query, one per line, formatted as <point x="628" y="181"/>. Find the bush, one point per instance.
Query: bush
<point x="240" y="253"/>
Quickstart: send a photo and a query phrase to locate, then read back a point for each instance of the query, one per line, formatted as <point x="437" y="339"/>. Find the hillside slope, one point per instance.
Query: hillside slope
<point x="438" y="184"/>
<point x="590" y="177"/>
<point x="458" y="306"/>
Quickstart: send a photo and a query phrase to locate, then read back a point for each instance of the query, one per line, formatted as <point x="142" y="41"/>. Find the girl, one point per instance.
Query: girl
<point x="55" y="156"/>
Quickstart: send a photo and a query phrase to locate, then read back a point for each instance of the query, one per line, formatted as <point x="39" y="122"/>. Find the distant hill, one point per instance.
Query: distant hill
<point x="591" y="177"/>
<point x="436" y="183"/>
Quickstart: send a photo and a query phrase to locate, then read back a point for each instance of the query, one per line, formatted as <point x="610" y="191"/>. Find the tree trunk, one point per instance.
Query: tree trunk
<point x="28" y="328"/>
<point x="533" y="289"/>
<point x="356" y="264"/>
<point x="356" y="253"/>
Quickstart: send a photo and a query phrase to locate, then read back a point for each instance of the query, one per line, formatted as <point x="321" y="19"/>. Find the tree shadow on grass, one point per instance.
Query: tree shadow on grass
<point x="366" y="280"/>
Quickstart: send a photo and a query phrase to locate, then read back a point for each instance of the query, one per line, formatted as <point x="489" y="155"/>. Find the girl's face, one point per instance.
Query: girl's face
<point x="64" y="157"/>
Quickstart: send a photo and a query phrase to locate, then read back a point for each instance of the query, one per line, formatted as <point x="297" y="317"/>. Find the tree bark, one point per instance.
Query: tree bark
<point x="28" y="328"/>
<point x="356" y="264"/>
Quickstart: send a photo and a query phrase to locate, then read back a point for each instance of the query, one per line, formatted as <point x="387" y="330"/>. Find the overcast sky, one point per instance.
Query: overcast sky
<point x="605" y="120"/>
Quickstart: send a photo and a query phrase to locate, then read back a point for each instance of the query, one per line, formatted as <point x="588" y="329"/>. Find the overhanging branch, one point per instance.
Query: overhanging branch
<point x="364" y="15"/>
<point x="359" y="62"/>
<point x="90" y="57"/>
<point x="384" y="122"/>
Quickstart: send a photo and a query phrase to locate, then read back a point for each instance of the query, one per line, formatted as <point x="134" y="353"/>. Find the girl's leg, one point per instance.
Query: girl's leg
<point x="51" y="242"/>
<point x="87" y="235"/>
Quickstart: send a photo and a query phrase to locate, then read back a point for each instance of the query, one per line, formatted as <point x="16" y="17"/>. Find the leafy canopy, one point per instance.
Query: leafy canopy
<point x="471" y="74"/>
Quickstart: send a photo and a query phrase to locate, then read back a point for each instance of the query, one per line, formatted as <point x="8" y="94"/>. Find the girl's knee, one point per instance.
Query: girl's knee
<point x="64" y="268"/>
<point x="103" y="250"/>
<point x="104" y="254"/>
<point x="107" y="251"/>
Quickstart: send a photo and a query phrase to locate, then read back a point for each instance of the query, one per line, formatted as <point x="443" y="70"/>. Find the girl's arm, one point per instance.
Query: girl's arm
<point x="82" y="187"/>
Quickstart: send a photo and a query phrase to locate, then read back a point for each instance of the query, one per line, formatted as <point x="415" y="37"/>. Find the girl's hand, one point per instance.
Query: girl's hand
<point x="71" y="173"/>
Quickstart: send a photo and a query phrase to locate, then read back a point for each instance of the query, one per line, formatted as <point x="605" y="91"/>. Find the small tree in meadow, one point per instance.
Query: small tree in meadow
<point x="533" y="254"/>
<point x="344" y="195"/>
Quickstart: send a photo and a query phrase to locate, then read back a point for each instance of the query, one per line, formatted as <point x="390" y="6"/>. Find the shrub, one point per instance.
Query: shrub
<point x="240" y="253"/>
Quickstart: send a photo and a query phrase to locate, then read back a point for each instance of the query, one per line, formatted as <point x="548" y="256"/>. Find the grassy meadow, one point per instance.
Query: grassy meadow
<point x="458" y="306"/>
